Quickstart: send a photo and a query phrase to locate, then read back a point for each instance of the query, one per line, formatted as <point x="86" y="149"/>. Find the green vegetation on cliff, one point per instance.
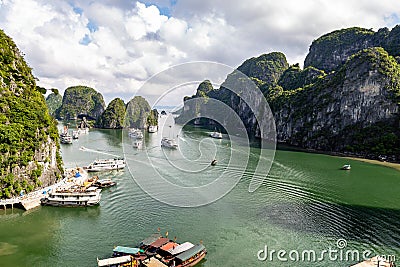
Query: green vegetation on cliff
<point x="266" y="69"/>
<point x="294" y="77"/>
<point x="354" y="107"/>
<point x="152" y="119"/>
<point x="331" y="50"/>
<point x="53" y="102"/>
<point x="113" y="116"/>
<point x="204" y="89"/>
<point x="26" y="127"/>
<point x="367" y="127"/>
<point x="137" y="111"/>
<point x="81" y="100"/>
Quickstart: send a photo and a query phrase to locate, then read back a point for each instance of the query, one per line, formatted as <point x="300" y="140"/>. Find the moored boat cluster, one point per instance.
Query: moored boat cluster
<point x="76" y="189"/>
<point x="156" y="251"/>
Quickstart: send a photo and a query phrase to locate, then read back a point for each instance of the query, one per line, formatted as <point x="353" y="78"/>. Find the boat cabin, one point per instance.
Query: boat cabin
<point x="191" y="256"/>
<point x="117" y="261"/>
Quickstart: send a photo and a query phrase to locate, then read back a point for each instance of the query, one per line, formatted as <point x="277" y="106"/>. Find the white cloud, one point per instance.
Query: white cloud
<point x="128" y="42"/>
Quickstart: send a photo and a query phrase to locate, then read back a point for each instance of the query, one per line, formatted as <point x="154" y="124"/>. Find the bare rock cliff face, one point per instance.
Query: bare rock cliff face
<point x="329" y="115"/>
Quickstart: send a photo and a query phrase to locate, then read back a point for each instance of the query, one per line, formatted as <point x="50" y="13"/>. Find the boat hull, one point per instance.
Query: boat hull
<point x="106" y="185"/>
<point x="105" y="169"/>
<point x="216" y="135"/>
<point x="105" y="165"/>
<point x="195" y="262"/>
<point x="55" y="203"/>
<point x="169" y="146"/>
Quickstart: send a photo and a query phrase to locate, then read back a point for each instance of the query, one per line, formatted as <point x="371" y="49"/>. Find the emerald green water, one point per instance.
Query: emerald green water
<point x="305" y="203"/>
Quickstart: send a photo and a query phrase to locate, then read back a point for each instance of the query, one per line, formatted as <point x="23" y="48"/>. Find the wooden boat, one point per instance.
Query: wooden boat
<point x="159" y="251"/>
<point x="190" y="257"/>
<point x="123" y="251"/>
<point x="153" y="262"/>
<point x="118" y="261"/>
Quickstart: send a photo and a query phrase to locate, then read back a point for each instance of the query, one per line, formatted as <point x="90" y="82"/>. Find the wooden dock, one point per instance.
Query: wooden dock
<point x="374" y="262"/>
<point x="27" y="202"/>
<point x="10" y="203"/>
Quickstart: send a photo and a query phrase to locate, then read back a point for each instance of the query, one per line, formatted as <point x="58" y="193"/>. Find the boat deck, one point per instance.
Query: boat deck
<point x="153" y="262"/>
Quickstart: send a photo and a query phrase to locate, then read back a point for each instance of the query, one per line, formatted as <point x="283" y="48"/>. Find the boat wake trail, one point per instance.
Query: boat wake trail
<point x="82" y="148"/>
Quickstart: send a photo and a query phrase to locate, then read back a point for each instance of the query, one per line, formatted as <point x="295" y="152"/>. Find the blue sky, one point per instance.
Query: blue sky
<point x="115" y="46"/>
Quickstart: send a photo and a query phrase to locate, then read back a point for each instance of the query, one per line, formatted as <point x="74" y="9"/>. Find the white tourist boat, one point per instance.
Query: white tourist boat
<point x="75" y="134"/>
<point x="73" y="197"/>
<point x="74" y="191"/>
<point x="137" y="144"/>
<point x="169" y="143"/>
<point x="135" y="133"/>
<point x="106" y="165"/>
<point x="153" y="129"/>
<point x="65" y="137"/>
<point x="216" y="135"/>
<point x="197" y="122"/>
<point x="83" y="130"/>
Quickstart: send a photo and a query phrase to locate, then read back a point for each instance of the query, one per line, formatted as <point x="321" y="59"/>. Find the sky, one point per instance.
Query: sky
<point x="117" y="46"/>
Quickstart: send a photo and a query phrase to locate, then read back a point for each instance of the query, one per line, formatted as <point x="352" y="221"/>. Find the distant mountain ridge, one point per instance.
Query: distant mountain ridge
<point x="346" y="99"/>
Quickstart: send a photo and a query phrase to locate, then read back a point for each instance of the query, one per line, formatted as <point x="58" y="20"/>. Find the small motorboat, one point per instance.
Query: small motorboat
<point x="214" y="162"/>
<point x="346" y="167"/>
<point x="216" y="135"/>
<point x="135" y="133"/>
<point x="137" y="144"/>
<point x="75" y="134"/>
<point x="169" y="143"/>
<point x="104" y="183"/>
<point x="152" y="129"/>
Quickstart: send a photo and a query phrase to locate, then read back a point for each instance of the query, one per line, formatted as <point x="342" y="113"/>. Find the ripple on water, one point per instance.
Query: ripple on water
<point x="7" y="249"/>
